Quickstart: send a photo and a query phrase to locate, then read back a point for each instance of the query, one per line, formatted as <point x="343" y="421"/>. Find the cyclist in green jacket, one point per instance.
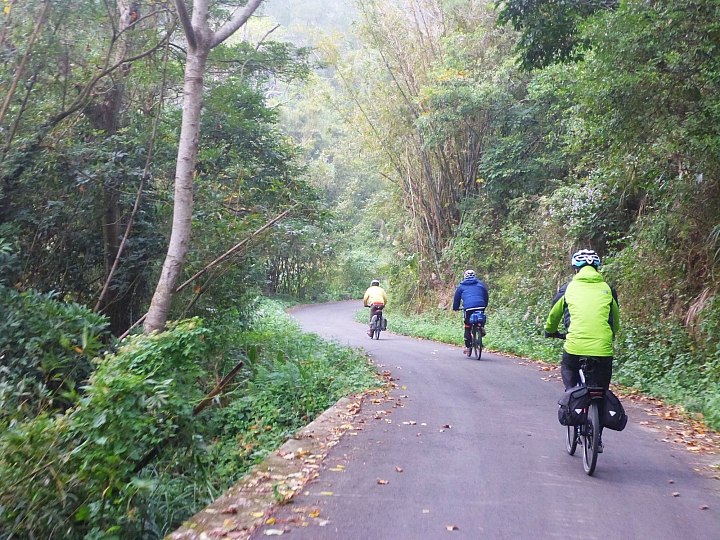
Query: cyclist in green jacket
<point x="588" y="307"/>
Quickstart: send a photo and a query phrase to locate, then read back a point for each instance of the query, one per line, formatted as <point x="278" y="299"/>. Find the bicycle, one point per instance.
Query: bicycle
<point x="377" y="322"/>
<point x="588" y="432"/>
<point x="477" y="330"/>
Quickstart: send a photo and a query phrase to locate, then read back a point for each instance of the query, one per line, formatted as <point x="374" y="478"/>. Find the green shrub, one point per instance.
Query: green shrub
<point x="46" y="347"/>
<point x="75" y="475"/>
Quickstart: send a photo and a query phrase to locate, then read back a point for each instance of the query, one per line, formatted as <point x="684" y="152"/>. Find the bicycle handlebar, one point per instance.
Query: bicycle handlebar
<point x="556" y="335"/>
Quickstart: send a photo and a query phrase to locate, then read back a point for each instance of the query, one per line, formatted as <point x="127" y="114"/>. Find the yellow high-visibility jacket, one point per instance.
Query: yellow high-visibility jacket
<point x="375" y="294"/>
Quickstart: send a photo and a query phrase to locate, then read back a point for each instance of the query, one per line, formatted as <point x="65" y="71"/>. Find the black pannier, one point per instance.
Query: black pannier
<point x="384" y="324"/>
<point x="573" y="406"/>
<point x="614" y="417"/>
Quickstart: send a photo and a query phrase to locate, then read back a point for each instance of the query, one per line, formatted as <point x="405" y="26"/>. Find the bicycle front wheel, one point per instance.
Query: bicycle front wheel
<point x="591" y="439"/>
<point x="571" y="440"/>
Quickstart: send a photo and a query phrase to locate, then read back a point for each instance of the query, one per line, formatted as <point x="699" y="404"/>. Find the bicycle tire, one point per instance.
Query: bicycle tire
<point x="479" y="342"/>
<point x="571" y="440"/>
<point x="378" y="326"/>
<point x="476" y="341"/>
<point x="373" y="326"/>
<point x="591" y="440"/>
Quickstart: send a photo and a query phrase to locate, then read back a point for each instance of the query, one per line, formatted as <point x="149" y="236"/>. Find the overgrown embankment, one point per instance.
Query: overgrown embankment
<point x="136" y="453"/>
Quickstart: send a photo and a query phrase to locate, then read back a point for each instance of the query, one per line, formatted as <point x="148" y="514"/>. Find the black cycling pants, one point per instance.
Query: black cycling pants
<point x="598" y="370"/>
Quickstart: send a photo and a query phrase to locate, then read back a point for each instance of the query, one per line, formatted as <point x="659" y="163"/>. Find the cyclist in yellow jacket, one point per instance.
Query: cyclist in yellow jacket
<point x="588" y="307"/>
<point x="375" y="298"/>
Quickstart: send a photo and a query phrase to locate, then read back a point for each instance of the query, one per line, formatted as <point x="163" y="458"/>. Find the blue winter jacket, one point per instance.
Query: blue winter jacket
<point x="472" y="292"/>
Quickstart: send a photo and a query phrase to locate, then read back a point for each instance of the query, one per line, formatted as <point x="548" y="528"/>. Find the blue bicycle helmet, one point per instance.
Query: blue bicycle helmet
<point x="585" y="257"/>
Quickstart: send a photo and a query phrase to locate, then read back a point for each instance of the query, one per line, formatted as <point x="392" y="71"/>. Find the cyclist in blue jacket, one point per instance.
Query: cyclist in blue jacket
<point x="474" y="296"/>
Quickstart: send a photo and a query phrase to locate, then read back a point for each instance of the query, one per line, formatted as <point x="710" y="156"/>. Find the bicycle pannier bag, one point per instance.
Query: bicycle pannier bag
<point x="614" y="417"/>
<point x="573" y="406"/>
<point x="384" y="324"/>
<point x="477" y="317"/>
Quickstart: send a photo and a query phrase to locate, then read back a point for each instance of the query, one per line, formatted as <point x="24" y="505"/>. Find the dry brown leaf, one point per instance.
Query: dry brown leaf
<point x="398" y="469"/>
<point x="703" y="507"/>
<point x="381" y="481"/>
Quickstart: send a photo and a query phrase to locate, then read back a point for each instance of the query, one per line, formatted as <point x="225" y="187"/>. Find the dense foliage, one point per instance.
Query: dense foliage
<point x="132" y="458"/>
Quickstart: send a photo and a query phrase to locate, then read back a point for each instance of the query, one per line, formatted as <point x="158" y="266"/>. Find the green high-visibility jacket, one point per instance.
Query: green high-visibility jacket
<point x="589" y="309"/>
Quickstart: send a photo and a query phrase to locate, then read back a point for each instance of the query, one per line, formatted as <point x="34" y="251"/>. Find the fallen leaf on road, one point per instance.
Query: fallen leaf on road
<point x="448" y="426"/>
<point x="703" y="507"/>
<point x="273" y="532"/>
<point x="676" y="494"/>
<point x="671" y="481"/>
<point x="404" y="387"/>
<point x="270" y="521"/>
<point x="324" y="522"/>
<point x="381" y="481"/>
<point x="451" y="528"/>
<point x="398" y="469"/>
<point x="257" y="514"/>
<point x="426" y="511"/>
<point x="314" y="513"/>
<point x="326" y="493"/>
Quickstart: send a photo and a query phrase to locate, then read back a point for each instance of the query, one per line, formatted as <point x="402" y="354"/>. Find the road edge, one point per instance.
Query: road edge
<point x="248" y="504"/>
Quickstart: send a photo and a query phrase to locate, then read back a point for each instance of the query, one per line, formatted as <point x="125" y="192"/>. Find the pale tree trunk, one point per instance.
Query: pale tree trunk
<point x="201" y="39"/>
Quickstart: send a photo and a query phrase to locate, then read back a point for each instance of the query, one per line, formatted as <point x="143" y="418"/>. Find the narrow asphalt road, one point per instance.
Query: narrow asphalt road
<point x="500" y="471"/>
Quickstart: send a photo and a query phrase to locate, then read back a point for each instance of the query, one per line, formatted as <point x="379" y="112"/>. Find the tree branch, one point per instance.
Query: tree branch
<point x="239" y="17"/>
<point x="229" y="252"/>
<point x="186" y="23"/>
<point x="21" y="68"/>
<point x="219" y="388"/>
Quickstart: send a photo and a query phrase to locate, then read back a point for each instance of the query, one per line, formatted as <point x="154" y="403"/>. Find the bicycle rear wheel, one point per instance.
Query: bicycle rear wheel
<point x="591" y="439"/>
<point x="378" y="326"/>
<point x="478" y="341"/>
<point x="571" y="439"/>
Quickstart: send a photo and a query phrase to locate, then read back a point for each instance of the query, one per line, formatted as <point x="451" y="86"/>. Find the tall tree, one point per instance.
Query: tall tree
<point x="201" y="40"/>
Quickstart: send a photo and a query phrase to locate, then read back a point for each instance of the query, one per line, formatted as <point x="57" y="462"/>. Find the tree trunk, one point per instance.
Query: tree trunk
<point x="184" y="176"/>
<point x="201" y="39"/>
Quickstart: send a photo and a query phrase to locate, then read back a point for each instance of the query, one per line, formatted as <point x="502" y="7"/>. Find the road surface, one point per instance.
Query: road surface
<point x="500" y="471"/>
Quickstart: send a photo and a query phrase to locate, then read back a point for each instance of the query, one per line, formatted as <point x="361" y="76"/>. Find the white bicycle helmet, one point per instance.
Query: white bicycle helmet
<point x="585" y="257"/>
<point x="468" y="274"/>
<point x="375" y="282"/>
